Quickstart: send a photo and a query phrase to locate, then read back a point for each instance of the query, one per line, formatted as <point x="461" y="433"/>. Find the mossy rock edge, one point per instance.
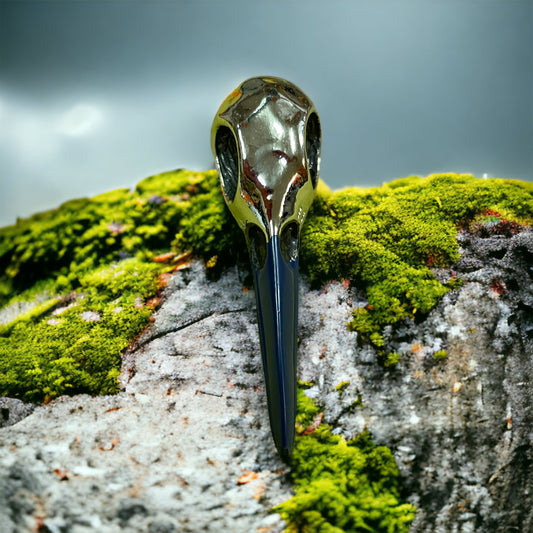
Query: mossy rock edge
<point x="95" y="255"/>
<point x="93" y="269"/>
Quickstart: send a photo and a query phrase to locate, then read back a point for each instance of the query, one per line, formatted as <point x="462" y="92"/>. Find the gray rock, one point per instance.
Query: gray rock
<point x="13" y="410"/>
<point x="167" y="452"/>
<point x="12" y="311"/>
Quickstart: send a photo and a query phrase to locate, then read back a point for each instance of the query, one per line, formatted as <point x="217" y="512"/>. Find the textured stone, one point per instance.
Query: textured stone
<point x="167" y="452"/>
<point x="13" y="410"/>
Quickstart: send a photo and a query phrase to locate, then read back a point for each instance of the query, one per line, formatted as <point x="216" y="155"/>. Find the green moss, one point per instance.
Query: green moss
<point x="440" y="355"/>
<point x="391" y="360"/>
<point x="454" y="283"/>
<point x="29" y="316"/>
<point x="342" y="486"/>
<point x="357" y="403"/>
<point x="94" y="256"/>
<point x="77" y="348"/>
<point x="386" y="239"/>
<point x="180" y="208"/>
<point x="341" y="387"/>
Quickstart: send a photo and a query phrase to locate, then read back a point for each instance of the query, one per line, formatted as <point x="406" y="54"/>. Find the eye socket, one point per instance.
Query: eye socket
<point x="288" y="241"/>
<point x="313" y="139"/>
<point x="227" y="156"/>
<point x="257" y="245"/>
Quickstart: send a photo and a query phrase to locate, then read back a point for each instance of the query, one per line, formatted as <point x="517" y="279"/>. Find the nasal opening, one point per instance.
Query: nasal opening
<point x="257" y="246"/>
<point x="288" y="241"/>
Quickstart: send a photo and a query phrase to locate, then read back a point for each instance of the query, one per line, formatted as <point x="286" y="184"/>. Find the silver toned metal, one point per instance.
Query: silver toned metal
<point x="267" y="176"/>
<point x="266" y="139"/>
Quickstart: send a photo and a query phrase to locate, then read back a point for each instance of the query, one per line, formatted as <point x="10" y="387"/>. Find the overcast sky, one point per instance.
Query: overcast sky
<point x="96" y="95"/>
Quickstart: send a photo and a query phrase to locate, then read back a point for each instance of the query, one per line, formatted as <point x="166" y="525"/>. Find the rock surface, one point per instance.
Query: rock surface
<point x="462" y="427"/>
<point x="13" y="410"/>
<point x="167" y="453"/>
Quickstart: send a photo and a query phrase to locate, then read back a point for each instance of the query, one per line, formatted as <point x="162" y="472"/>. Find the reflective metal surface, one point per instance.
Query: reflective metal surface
<point x="266" y="139"/>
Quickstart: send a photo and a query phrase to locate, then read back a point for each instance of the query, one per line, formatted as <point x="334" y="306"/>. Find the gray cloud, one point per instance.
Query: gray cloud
<point x="97" y="95"/>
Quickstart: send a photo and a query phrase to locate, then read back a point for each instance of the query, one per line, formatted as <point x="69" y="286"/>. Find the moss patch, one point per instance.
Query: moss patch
<point x="387" y="239"/>
<point x="74" y="345"/>
<point x="391" y="360"/>
<point x="94" y="259"/>
<point x="341" y="387"/>
<point x="181" y="208"/>
<point x="440" y="355"/>
<point x="342" y="485"/>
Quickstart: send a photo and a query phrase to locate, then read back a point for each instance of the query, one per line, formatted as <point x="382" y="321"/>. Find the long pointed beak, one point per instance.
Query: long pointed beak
<point x="276" y="289"/>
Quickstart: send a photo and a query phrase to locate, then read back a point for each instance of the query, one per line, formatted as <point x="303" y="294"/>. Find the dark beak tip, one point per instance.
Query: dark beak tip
<point x="285" y="454"/>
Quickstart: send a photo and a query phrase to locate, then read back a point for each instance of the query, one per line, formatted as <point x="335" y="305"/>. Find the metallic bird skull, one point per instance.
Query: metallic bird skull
<point x="266" y="139"/>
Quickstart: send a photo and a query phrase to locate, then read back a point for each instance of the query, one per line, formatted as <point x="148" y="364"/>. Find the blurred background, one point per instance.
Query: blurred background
<point x="96" y="95"/>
